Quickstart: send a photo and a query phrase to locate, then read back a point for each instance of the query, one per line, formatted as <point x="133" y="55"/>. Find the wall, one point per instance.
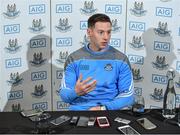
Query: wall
<point x="37" y="36"/>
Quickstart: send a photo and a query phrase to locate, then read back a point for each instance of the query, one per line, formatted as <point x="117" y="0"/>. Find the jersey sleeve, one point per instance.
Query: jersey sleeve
<point x="125" y="96"/>
<point x="67" y="91"/>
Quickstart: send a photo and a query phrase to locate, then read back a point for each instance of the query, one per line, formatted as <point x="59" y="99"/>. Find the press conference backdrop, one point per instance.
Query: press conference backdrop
<point x="37" y="36"/>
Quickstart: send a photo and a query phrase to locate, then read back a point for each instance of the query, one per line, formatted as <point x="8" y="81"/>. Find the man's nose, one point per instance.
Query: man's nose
<point x="106" y="35"/>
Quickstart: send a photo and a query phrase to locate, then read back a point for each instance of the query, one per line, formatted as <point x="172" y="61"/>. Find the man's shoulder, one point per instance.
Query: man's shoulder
<point x="117" y="53"/>
<point x="78" y="51"/>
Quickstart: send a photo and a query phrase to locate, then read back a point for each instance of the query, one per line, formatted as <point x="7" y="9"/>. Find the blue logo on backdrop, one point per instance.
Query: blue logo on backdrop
<point x="83" y="25"/>
<point x="85" y="41"/>
<point x="64" y="8"/>
<point x="88" y="8"/>
<point x="59" y="74"/>
<point x="11" y="11"/>
<point x="138" y="9"/>
<point x="157" y="95"/>
<point x="37" y="43"/>
<point x="178" y="98"/>
<point x="113" y="9"/>
<point x="10" y="63"/>
<point x="63" y="25"/>
<point x="115" y="42"/>
<point x="38" y="60"/>
<point x="136" y="43"/>
<point x="36" y="26"/>
<point x="62" y="105"/>
<point x="136" y="59"/>
<point x="137" y="77"/>
<point x="15" y="95"/>
<point x="115" y="27"/>
<point x="39" y="91"/>
<point x="138" y="91"/>
<point x="66" y="41"/>
<point x="137" y="26"/>
<point x="177" y="83"/>
<point x="178" y="65"/>
<point x="160" y="63"/>
<point x="164" y="12"/>
<point x="161" y="79"/>
<point x="162" y="46"/>
<point x="162" y="29"/>
<point x="41" y="75"/>
<point x="41" y="105"/>
<point x="13" y="46"/>
<point x="15" y="79"/>
<point x="37" y="9"/>
<point x="12" y="29"/>
<point x="62" y="57"/>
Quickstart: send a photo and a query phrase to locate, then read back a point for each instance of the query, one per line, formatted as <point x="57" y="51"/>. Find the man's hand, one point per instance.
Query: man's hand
<point x="83" y="87"/>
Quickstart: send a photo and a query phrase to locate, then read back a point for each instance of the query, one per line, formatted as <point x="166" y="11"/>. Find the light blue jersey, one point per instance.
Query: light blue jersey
<point x="110" y="68"/>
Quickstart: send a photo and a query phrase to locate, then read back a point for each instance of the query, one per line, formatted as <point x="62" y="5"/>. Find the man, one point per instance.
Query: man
<point x="97" y="76"/>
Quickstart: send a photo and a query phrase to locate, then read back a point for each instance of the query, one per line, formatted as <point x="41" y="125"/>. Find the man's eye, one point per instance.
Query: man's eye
<point x="100" y="32"/>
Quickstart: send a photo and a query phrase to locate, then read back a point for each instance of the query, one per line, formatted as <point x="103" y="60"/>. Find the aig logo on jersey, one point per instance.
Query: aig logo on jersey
<point x="108" y="67"/>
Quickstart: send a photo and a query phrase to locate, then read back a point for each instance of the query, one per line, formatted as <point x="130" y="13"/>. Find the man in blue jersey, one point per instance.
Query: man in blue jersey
<point x="97" y="76"/>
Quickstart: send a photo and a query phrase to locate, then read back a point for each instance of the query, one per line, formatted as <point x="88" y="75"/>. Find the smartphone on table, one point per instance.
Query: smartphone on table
<point x="146" y="123"/>
<point x="128" y="130"/>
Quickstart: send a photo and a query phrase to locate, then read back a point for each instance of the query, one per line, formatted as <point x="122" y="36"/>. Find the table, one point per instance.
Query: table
<point x="15" y="123"/>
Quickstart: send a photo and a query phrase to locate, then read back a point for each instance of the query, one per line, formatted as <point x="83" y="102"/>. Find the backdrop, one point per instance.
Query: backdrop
<point x="36" y="37"/>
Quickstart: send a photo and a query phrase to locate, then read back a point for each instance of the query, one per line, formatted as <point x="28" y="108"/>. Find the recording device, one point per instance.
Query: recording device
<point x="91" y="121"/>
<point x="74" y="120"/>
<point x="102" y="121"/>
<point x="146" y="123"/>
<point x="60" y="120"/>
<point x="83" y="121"/>
<point x="41" y="117"/>
<point x="121" y="120"/>
<point x="128" y="130"/>
<point x="32" y="112"/>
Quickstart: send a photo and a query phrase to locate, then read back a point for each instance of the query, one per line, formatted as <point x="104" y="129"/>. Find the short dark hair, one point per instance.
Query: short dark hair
<point x="98" y="18"/>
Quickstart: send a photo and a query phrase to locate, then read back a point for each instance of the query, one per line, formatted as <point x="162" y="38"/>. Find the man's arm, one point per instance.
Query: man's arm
<point x="73" y="87"/>
<point x="125" y="97"/>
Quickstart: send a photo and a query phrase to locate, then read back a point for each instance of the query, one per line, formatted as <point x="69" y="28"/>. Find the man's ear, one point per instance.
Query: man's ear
<point x="88" y="31"/>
